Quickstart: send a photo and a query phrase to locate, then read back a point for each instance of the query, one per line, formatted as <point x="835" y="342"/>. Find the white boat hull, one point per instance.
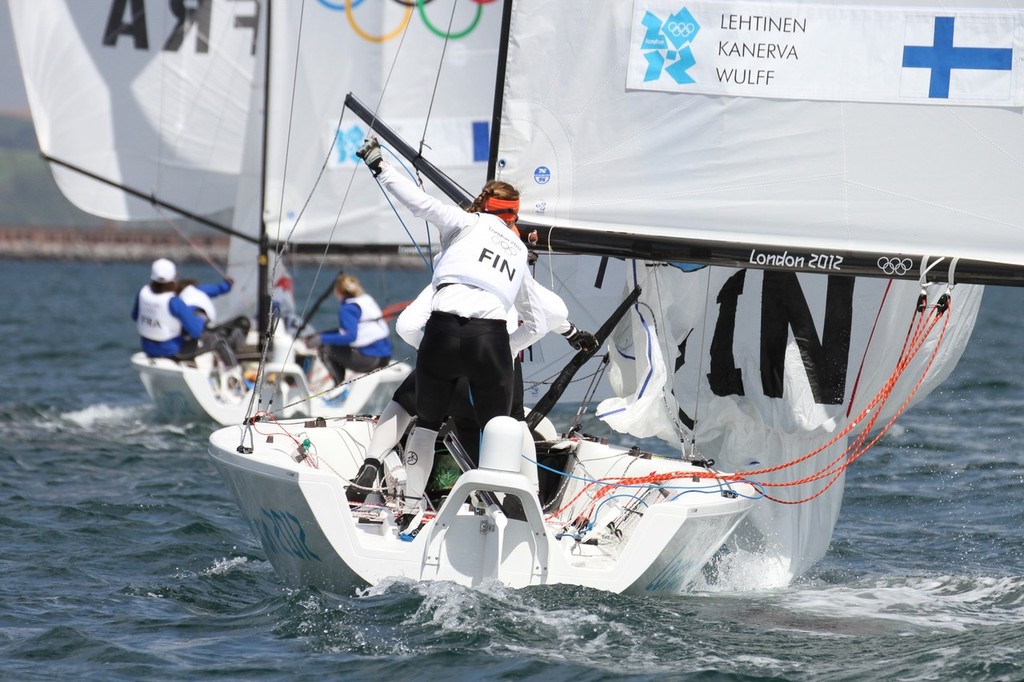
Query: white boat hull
<point x="200" y="390"/>
<point x="300" y="514"/>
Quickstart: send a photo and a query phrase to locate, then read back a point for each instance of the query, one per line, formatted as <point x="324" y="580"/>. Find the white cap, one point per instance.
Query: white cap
<point x="163" y="271"/>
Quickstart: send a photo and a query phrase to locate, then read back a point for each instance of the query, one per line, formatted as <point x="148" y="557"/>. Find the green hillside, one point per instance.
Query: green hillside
<point x="28" y="193"/>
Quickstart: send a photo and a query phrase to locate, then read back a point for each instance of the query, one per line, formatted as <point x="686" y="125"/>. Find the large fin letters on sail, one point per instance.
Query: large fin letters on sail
<point x="784" y="310"/>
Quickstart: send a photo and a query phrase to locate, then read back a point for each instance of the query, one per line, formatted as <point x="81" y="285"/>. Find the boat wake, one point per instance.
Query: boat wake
<point x="954" y="603"/>
<point x="32" y="417"/>
<point x="571" y="631"/>
<point x="105" y="415"/>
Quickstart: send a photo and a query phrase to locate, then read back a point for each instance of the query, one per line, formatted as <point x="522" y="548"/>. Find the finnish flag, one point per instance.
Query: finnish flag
<point x="958" y="58"/>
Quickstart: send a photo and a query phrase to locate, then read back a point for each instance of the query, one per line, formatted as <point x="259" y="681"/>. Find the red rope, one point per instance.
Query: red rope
<point x="860" y="444"/>
<point x="918" y="331"/>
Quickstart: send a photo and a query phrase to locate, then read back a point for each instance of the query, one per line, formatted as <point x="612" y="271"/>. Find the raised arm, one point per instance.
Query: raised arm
<point x="447" y="218"/>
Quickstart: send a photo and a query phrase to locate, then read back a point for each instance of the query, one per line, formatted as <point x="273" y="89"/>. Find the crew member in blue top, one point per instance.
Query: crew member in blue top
<point x="200" y="297"/>
<point x="361" y="342"/>
<point x="161" y="317"/>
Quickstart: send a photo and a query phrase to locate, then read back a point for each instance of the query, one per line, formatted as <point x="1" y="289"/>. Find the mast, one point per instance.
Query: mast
<point x="263" y="298"/>
<point x="499" y="84"/>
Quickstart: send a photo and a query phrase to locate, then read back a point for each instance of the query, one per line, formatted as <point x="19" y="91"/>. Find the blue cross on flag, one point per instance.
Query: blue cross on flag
<point x="944" y="57"/>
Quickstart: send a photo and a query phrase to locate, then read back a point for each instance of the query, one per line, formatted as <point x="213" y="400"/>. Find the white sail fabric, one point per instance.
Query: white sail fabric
<point x="316" y="190"/>
<point x="388" y="55"/>
<point x="246" y="219"/>
<point x="148" y="95"/>
<point x="787" y="174"/>
<point x="758" y="375"/>
<point x="755" y="368"/>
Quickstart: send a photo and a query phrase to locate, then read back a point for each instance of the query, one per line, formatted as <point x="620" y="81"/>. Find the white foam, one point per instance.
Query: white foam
<point x="94" y="414"/>
<point x="743" y="571"/>
<point x="226" y="565"/>
<point x="953" y="603"/>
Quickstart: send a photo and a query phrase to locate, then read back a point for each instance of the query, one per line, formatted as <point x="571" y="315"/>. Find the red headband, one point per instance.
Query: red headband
<point x="502" y="207"/>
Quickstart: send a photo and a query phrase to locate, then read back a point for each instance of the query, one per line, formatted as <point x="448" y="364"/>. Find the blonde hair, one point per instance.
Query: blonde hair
<point x="499" y="189"/>
<point x="348" y="286"/>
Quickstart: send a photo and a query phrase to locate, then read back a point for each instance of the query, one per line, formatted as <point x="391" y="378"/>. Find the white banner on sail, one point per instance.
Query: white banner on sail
<point x="813" y="52"/>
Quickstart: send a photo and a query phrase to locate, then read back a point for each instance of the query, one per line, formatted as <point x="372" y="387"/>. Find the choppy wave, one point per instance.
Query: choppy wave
<point x="922" y="627"/>
<point x="125" y="557"/>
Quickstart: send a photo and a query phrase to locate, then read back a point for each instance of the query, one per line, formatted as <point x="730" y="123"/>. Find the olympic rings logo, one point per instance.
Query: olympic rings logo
<point x="409" y="5"/>
<point x="505" y="244"/>
<point x="895" y="266"/>
<point x="680" y="30"/>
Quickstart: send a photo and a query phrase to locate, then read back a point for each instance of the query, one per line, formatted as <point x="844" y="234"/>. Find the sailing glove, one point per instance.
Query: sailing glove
<point x="370" y="154"/>
<point x="312" y="341"/>
<point x="579" y="339"/>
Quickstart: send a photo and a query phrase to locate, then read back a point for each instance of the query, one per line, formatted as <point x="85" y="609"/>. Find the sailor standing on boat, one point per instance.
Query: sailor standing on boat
<point x="478" y="277"/>
<point x="398" y="413"/>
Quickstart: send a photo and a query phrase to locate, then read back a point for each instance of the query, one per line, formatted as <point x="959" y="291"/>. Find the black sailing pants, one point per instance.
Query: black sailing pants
<point x="456" y="348"/>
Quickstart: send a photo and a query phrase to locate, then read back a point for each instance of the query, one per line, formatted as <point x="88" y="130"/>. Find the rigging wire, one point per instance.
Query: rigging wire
<point x="437" y="76"/>
<point x="428" y="258"/>
<point x="282" y="243"/>
<point x="861" y="444"/>
<point x="349" y="382"/>
<point x="588" y="396"/>
<point x="402" y="29"/>
<point x="201" y="253"/>
<point x="867" y="346"/>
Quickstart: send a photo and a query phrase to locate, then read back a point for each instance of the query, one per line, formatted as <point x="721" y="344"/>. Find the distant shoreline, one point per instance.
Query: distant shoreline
<point x="131" y="245"/>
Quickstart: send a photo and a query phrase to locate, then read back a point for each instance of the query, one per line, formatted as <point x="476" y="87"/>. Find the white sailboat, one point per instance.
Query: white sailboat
<point x="290" y="478"/>
<point x="807" y="231"/>
<point x="155" y="112"/>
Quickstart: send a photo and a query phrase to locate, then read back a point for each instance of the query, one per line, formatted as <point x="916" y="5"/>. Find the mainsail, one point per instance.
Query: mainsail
<point x="389" y="54"/>
<point x="316" y="196"/>
<point x="149" y="110"/>
<point x="151" y="98"/>
<point x="715" y="133"/>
